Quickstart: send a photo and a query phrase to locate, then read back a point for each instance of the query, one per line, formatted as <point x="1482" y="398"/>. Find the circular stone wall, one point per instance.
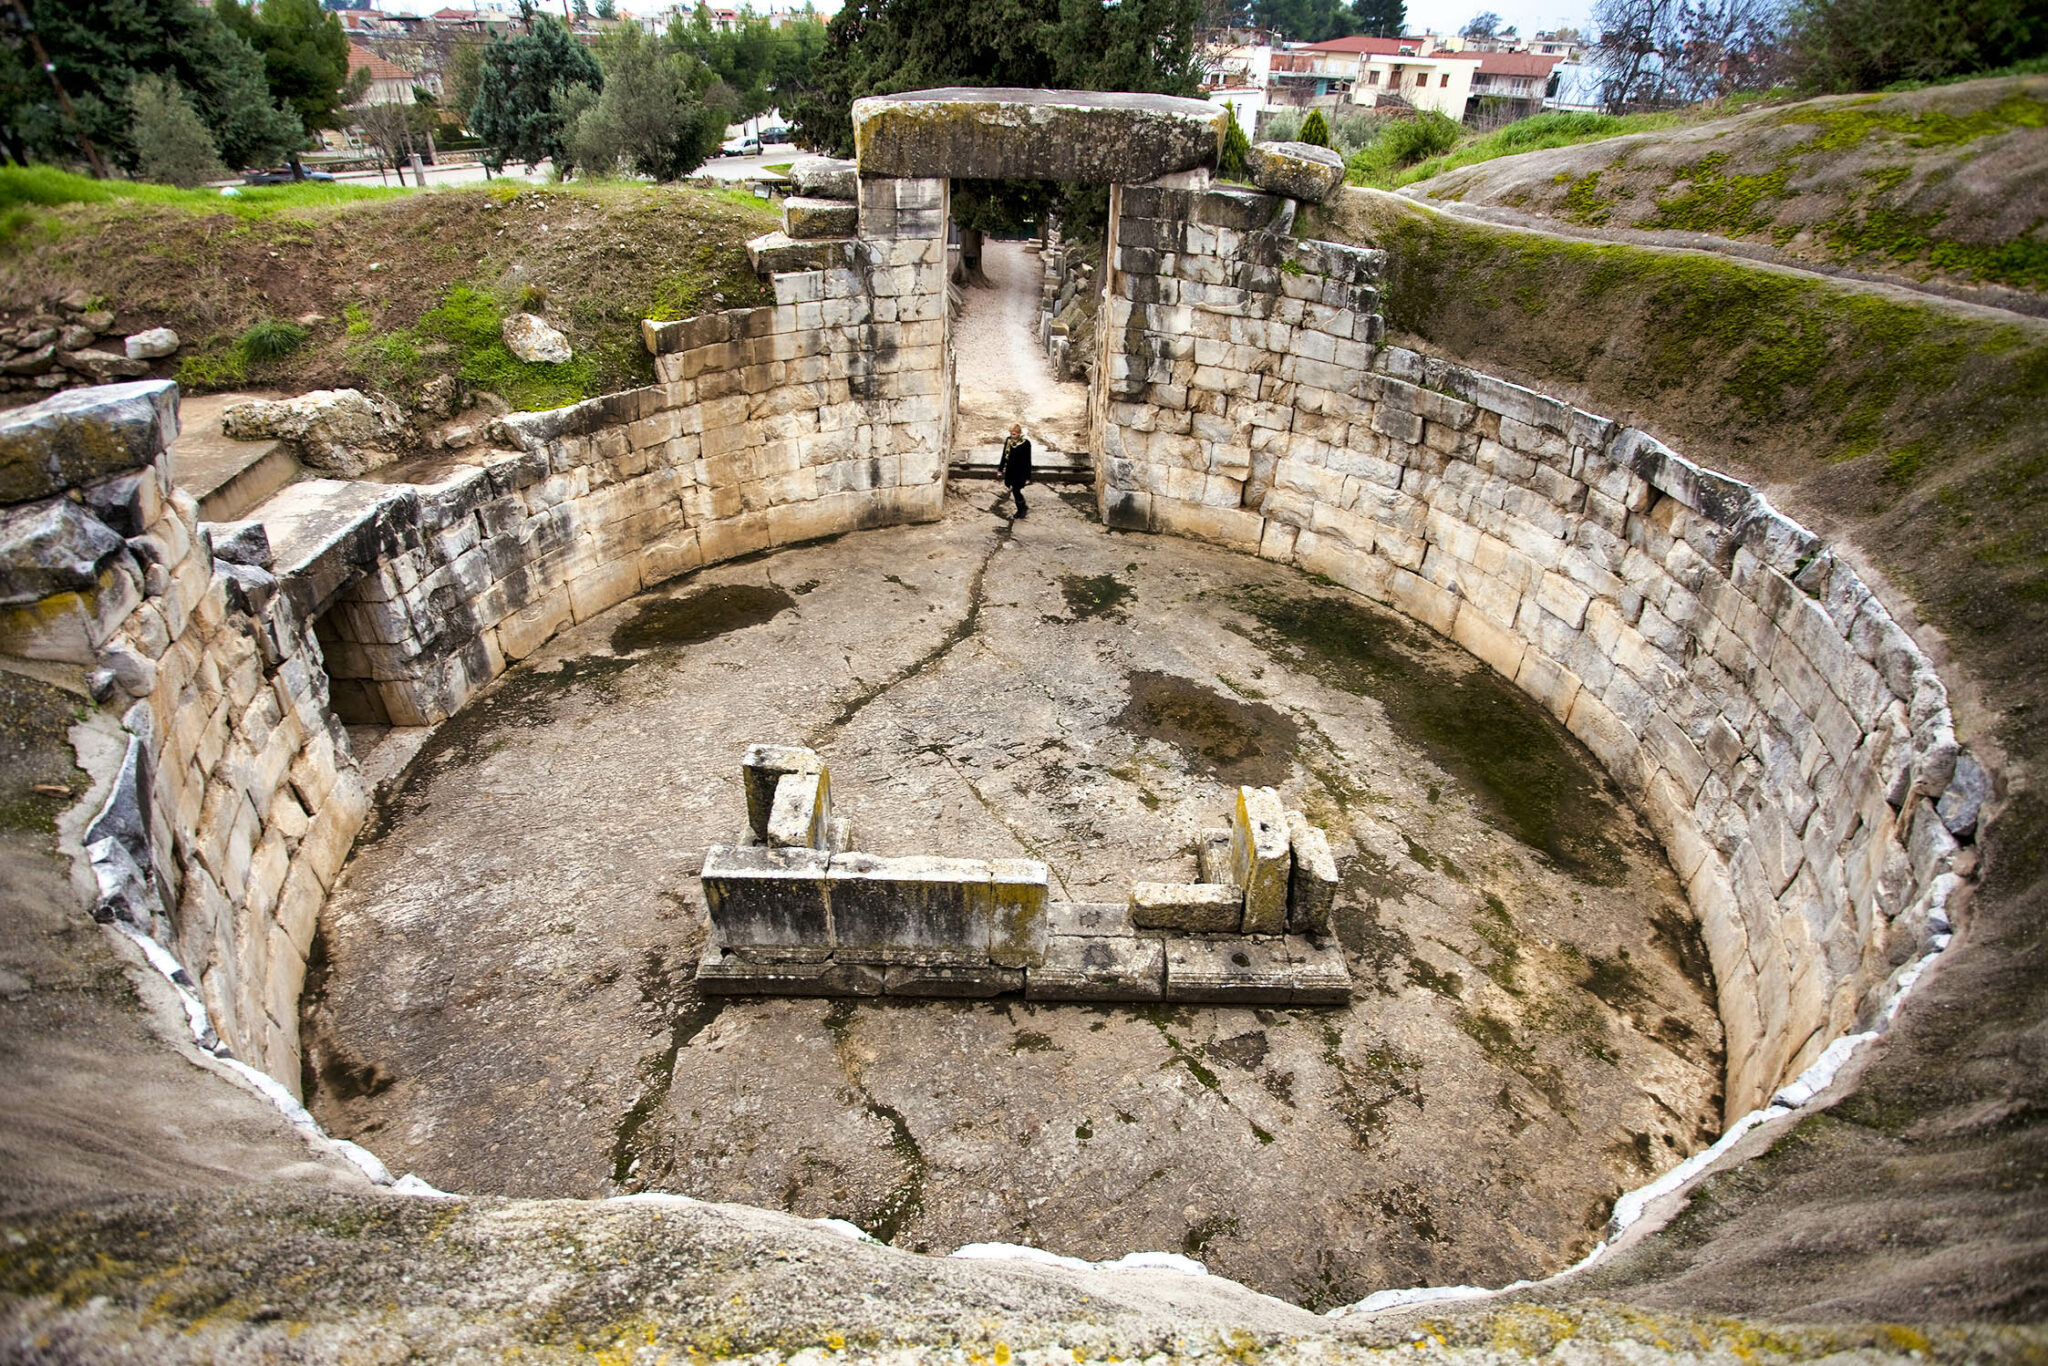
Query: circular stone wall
<point x="501" y="999"/>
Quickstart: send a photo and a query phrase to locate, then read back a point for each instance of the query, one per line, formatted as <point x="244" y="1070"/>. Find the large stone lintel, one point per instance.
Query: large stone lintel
<point x="1073" y="135"/>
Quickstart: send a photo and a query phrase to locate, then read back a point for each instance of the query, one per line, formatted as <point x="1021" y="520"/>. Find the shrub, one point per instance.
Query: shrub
<point x="1315" y="129"/>
<point x="1403" y="144"/>
<point x="1283" y="125"/>
<point x="172" y="146"/>
<point x="271" y="340"/>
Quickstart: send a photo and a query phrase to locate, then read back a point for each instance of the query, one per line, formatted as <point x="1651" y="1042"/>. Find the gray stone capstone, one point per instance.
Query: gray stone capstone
<point x="1299" y="170"/>
<point x="83" y="436"/>
<point x="995" y="134"/>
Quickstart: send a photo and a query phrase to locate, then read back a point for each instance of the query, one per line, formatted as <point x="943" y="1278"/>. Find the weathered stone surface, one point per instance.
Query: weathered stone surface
<point x="83" y="436"/>
<point x="340" y="431"/>
<point x="1099" y="967"/>
<point x="963" y="981"/>
<point x="241" y="543"/>
<point x="767" y="896"/>
<point x="1259" y="861"/>
<point x="723" y="972"/>
<point x="775" y="252"/>
<point x="1236" y="971"/>
<point x="152" y="344"/>
<point x="807" y="219"/>
<point x="1035" y="134"/>
<point x="1312" y="887"/>
<point x="52" y="547"/>
<point x="1018" y="932"/>
<point x="39" y="361"/>
<point x="1212" y="856"/>
<point x="910" y="907"/>
<point x="1299" y="170"/>
<point x="1189" y="907"/>
<point x="761" y="769"/>
<point x="101" y="367"/>
<point x="530" y="337"/>
<point x="802" y="814"/>
<point x="825" y="177"/>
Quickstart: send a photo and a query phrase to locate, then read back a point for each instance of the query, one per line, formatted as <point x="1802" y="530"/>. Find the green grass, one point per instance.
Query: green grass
<point x="260" y="347"/>
<point x="464" y="328"/>
<point x="48" y="187"/>
<point x="1528" y="135"/>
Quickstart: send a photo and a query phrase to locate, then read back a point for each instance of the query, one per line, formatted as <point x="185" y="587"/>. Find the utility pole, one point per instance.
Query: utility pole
<point x="28" y="28"/>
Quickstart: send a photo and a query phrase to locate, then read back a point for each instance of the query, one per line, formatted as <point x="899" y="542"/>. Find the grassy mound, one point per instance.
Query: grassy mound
<point x="308" y="286"/>
<point x="1945" y="183"/>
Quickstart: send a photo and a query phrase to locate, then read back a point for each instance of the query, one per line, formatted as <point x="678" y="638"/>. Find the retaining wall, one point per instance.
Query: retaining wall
<point x="1788" y="742"/>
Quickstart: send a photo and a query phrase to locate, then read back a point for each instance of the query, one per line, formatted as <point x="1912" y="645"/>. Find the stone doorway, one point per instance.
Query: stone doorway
<point x="1003" y="375"/>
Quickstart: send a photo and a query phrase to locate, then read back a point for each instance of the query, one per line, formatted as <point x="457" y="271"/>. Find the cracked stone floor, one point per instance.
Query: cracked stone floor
<point x="502" y="1001"/>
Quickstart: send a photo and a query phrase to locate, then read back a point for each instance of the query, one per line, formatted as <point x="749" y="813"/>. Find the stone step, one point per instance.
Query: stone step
<point x="229" y="478"/>
<point x="1047" y="467"/>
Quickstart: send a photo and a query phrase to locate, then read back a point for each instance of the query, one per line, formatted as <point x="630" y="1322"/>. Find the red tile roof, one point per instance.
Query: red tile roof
<point x="1378" y="47"/>
<point x="380" y="70"/>
<point x="1516" y="64"/>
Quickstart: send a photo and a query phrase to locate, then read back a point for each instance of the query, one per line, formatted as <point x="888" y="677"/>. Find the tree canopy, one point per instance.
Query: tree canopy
<point x="880" y="47"/>
<point x="1836" y="46"/>
<point x="756" y="60"/>
<point x="524" y="87"/>
<point x="304" y="51"/>
<point x="1318" y="21"/>
<point x="99" y="51"/>
<point x="660" y="114"/>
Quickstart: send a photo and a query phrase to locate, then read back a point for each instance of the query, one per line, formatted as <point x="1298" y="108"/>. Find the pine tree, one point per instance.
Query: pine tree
<point x="100" y="49"/>
<point x="305" y="54"/>
<point x="172" y="146"/>
<point x="1236" y="147"/>
<point x="518" y="86"/>
<point x="1315" y="129"/>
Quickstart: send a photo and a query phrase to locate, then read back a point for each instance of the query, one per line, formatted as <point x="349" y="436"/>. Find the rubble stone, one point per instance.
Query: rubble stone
<point x="152" y="344"/>
<point x="530" y="337"/>
<point x="1299" y="170"/>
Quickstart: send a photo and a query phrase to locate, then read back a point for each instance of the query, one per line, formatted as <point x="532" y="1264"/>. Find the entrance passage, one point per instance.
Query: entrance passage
<point x="1004" y="377"/>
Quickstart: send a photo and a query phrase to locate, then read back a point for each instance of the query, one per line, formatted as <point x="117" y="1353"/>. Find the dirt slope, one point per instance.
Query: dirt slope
<point x="393" y="292"/>
<point x="1944" y="188"/>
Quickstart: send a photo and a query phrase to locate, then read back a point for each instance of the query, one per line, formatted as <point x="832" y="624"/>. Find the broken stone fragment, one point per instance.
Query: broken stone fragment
<point x="529" y="337"/>
<point x="99" y="320"/>
<point x="340" y="431"/>
<point x="1259" y="861"/>
<point x="75" y="337"/>
<point x="1189" y="907"/>
<point x="1299" y="170"/>
<point x="801" y="815"/>
<point x="825" y="178"/>
<point x="37" y="362"/>
<point x="805" y="219"/>
<point x="1212" y="856"/>
<point x="82" y="437"/>
<point x="1964" y="800"/>
<point x="761" y="768"/>
<point x="1312" y="888"/>
<point x="152" y="344"/>
<point x="1005" y="134"/>
<point x="246" y="543"/>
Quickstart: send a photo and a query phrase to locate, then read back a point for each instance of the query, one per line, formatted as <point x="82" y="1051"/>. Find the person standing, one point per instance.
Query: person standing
<point x="1015" y="467"/>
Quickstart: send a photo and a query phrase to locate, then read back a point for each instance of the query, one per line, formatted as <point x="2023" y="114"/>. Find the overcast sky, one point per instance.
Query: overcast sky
<point x="1441" y="16"/>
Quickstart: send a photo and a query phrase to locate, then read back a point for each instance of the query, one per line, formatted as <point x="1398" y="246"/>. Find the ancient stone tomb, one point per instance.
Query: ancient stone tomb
<point x="795" y="912"/>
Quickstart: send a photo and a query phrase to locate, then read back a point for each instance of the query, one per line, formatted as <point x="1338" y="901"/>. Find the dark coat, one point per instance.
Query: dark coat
<point x="1015" y="466"/>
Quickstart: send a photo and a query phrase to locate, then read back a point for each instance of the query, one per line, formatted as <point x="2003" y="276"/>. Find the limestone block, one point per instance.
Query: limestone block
<point x="806" y="219"/>
<point x="1312" y="883"/>
<point x="826" y="177"/>
<point x="761" y="771"/>
<point x="1299" y="170"/>
<point x="1035" y="135"/>
<point x="1259" y="861"/>
<point x="84" y="435"/>
<point x="1018" y="930"/>
<point x="1188" y="907"/>
<point x="759" y="896"/>
<point x="53" y="547"/>
<point x="1099" y="967"/>
<point x="801" y="814"/>
<point x="724" y="973"/>
<point x="960" y="981"/>
<point x="911" y="907"/>
<point x="1229" y="972"/>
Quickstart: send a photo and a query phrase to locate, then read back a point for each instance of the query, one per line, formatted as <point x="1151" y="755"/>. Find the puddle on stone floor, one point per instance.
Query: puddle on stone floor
<point x="1235" y="742"/>
<point x="1521" y="762"/>
<point x="1095" y="595"/>
<point x="700" y="616"/>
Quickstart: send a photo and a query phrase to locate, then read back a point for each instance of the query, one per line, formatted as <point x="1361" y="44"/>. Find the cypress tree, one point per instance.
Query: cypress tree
<point x="1315" y="129"/>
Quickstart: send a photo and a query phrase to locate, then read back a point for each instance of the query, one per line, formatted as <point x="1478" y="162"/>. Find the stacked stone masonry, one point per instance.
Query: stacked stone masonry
<point x="1788" y="742"/>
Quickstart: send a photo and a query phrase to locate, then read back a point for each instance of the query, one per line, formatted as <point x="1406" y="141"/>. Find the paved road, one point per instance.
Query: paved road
<point x="469" y="173"/>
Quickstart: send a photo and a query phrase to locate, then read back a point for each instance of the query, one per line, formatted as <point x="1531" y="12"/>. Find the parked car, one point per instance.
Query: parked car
<point x="281" y="176"/>
<point x="745" y="147"/>
<point x="771" y="136"/>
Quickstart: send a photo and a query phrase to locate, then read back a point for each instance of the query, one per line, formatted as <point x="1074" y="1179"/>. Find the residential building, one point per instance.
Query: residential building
<point x="1440" y="82"/>
<point x="1514" y="83"/>
<point x="389" y="82"/>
